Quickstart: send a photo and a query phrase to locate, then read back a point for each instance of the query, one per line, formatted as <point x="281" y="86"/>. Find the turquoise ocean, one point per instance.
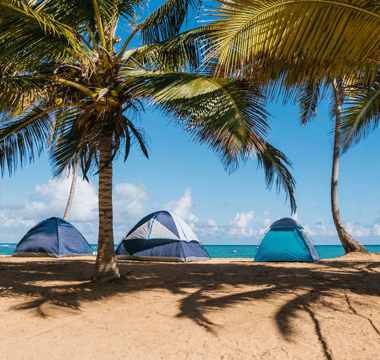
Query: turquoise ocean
<point x="234" y="251"/>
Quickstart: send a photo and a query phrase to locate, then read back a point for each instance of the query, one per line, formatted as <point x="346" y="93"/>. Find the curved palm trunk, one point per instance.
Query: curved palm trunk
<point x="72" y="190"/>
<point x="349" y="243"/>
<point x="105" y="266"/>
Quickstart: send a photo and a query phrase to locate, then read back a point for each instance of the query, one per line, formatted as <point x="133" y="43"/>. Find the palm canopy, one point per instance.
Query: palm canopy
<point x="297" y="39"/>
<point x="66" y="81"/>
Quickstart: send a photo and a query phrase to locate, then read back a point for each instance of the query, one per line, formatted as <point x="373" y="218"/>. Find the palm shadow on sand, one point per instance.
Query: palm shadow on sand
<point x="202" y="287"/>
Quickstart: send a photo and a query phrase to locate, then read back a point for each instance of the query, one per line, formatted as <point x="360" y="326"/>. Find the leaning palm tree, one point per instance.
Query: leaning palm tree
<point x="286" y="44"/>
<point x="71" y="85"/>
<point x="350" y="244"/>
<point x="308" y="99"/>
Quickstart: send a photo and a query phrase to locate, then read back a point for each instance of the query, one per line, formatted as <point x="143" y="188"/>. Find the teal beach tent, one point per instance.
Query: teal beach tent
<point x="286" y="240"/>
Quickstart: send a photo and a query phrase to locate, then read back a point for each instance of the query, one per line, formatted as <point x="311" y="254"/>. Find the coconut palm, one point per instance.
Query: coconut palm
<point x="309" y="97"/>
<point x="70" y="84"/>
<point x="349" y="243"/>
<point x="290" y="44"/>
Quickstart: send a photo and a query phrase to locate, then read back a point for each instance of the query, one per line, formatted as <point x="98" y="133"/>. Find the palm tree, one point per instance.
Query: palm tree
<point x="72" y="190"/>
<point x="349" y="243"/>
<point x="290" y="44"/>
<point x="68" y="85"/>
<point x="308" y="99"/>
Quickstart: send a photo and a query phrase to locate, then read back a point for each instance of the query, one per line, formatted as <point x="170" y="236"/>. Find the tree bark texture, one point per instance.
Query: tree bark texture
<point x="72" y="190"/>
<point x="105" y="266"/>
<point x="349" y="243"/>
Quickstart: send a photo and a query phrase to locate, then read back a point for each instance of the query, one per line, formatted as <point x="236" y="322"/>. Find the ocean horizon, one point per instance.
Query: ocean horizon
<point x="231" y="251"/>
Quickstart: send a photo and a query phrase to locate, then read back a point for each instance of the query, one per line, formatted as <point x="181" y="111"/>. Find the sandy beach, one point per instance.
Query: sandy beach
<point x="219" y="309"/>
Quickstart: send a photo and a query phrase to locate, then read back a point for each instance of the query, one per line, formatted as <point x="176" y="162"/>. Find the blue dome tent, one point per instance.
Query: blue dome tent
<point x="286" y="240"/>
<point x="161" y="236"/>
<point x="53" y="237"/>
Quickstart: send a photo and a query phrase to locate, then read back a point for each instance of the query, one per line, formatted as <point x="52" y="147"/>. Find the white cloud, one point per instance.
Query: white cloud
<point x="296" y="218"/>
<point x="131" y="202"/>
<point x="318" y="229"/>
<point x="376" y="230"/>
<point x="181" y="206"/>
<point x="242" y="220"/>
<point x="210" y="228"/>
<point x="358" y="229"/>
<point x="50" y="199"/>
<point x="129" y="199"/>
<point x="239" y="224"/>
<point x="265" y="223"/>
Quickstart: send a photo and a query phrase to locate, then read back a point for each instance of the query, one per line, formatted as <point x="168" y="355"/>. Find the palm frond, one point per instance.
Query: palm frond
<point x="18" y="93"/>
<point x="127" y="8"/>
<point x="178" y="53"/>
<point x="166" y="21"/>
<point x="360" y="116"/>
<point x="65" y="141"/>
<point x="33" y="29"/>
<point x="139" y="136"/>
<point x="21" y="139"/>
<point x="308" y="99"/>
<point x="275" y="165"/>
<point x="74" y="13"/>
<point x="300" y="35"/>
<point x="228" y="115"/>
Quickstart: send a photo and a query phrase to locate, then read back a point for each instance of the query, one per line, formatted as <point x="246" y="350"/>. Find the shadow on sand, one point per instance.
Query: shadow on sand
<point x="198" y="284"/>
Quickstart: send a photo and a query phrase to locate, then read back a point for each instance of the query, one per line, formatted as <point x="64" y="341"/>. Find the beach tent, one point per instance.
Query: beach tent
<point x="286" y="240"/>
<point x="53" y="237"/>
<point x="161" y="236"/>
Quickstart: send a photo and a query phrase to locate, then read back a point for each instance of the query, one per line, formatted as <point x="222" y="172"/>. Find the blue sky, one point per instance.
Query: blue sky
<point x="189" y="179"/>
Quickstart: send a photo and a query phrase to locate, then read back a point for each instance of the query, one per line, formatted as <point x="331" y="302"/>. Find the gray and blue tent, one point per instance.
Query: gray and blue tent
<point x="286" y="240"/>
<point x="161" y="236"/>
<point x="53" y="237"/>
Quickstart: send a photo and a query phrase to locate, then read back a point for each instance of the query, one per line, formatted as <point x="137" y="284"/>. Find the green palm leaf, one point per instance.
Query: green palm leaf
<point x="21" y="139"/>
<point x="74" y="13"/>
<point x="65" y="141"/>
<point x="23" y="30"/>
<point x="216" y="110"/>
<point x="178" y="53"/>
<point x="361" y="116"/>
<point x="20" y="92"/>
<point x="335" y="38"/>
<point x="309" y="95"/>
<point x="166" y="21"/>
<point x="275" y="166"/>
<point x="226" y="115"/>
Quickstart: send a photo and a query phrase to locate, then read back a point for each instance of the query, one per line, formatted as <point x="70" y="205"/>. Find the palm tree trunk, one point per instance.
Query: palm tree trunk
<point x="72" y="190"/>
<point x="349" y="243"/>
<point x="105" y="266"/>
